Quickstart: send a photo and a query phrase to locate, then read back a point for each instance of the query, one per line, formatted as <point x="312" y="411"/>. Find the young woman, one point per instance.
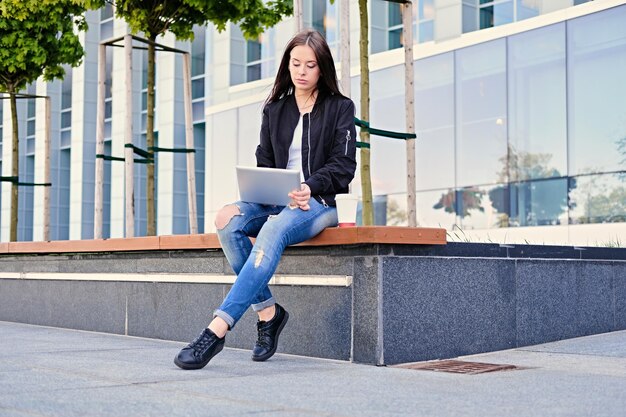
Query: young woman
<point x="307" y="125"/>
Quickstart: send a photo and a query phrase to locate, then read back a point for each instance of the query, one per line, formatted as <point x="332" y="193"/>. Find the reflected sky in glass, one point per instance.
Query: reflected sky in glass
<point x="597" y="91"/>
<point x="537" y="104"/>
<point x="481" y="113"/>
<point x="434" y="115"/>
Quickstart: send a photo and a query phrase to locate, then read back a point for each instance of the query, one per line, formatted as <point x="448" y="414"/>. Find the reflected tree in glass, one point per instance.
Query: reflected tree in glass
<point x="461" y="202"/>
<point x="520" y="166"/>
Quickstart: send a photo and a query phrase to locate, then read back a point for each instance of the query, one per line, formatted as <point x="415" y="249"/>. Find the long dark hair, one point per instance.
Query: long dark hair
<point x="327" y="83"/>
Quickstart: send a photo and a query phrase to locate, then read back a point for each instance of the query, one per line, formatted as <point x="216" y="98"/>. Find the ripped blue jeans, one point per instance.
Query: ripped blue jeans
<point x="275" y="227"/>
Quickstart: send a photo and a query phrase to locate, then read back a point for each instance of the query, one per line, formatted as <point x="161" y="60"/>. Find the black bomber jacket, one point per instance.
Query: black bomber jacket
<point x="328" y="143"/>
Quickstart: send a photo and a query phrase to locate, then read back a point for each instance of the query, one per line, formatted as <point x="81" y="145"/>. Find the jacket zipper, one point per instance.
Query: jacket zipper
<point x="347" y="141"/>
<point x="309" y="150"/>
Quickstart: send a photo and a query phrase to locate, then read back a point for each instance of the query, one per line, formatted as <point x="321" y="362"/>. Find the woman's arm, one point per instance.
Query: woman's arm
<point x="264" y="151"/>
<point x="338" y="171"/>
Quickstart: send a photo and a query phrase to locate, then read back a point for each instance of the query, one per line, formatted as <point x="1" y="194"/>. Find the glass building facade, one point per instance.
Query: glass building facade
<point x="520" y="126"/>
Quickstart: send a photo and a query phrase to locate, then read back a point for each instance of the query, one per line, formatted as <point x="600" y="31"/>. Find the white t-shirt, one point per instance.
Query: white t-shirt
<point x="295" y="150"/>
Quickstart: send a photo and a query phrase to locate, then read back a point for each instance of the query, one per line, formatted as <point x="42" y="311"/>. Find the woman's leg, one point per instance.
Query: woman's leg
<point x="235" y="224"/>
<point x="289" y="227"/>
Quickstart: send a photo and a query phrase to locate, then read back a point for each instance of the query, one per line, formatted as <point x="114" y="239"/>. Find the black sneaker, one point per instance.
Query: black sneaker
<point x="269" y="331"/>
<point x="199" y="352"/>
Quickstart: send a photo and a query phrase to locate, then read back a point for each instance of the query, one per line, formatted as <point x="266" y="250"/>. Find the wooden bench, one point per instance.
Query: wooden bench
<point x="329" y="237"/>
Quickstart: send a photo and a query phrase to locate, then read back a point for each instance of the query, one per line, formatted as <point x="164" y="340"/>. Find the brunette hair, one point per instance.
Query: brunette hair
<point x="327" y="83"/>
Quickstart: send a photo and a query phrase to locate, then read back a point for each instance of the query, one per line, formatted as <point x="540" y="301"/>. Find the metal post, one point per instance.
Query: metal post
<point x="191" y="163"/>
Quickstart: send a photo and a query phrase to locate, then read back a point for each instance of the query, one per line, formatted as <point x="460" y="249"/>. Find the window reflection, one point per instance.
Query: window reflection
<point x="475" y="207"/>
<point x="434" y="122"/>
<point x="596" y="68"/>
<point x="597" y="199"/>
<point x="481" y="112"/>
<point x="537" y="104"/>
<point x="538" y="203"/>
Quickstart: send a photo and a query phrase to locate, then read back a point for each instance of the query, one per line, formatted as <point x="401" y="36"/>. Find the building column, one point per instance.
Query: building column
<point x="83" y="154"/>
<point x="118" y="122"/>
<point x="171" y="169"/>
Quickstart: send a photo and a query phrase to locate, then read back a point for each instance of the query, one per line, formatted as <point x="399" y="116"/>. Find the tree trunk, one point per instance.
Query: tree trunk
<point x="14" y="166"/>
<point x="366" y="182"/>
<point x="150" y="215"/>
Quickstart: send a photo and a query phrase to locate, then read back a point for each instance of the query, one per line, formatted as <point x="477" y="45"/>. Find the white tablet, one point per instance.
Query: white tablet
<point x="267" y="185"/>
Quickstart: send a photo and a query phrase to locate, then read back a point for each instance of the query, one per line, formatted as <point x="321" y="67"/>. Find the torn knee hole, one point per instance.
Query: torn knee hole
<point x="258" y="258"/>
<point x="225" y="215"/>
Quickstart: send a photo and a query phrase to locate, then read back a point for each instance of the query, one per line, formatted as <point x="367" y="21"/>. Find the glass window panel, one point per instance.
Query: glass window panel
<point x="106" y="30"/>
<point x="30" y="128"/>
<point x="387" y="113"/>
<point x="470" y="21"/>
<point x="253" y="72"/>
<point x="486" y="17"/>
<point x="426" y="31"/>
<point x="253" y="51"/>
<point x="66" y="138"/>
<point x="197" y="88"/>
<point x="66" y="96"/>
<point x="318" y="16"/>
<point x="107" y="129"/>
<point x="199" y="135"/>
<point x="106" y="12"/>
<point x="66" y="119"/>
<point x="108" y="109"/>
<point x="426" y="9"/>
<point x="30" y="146"/>
<point x="503" y="13"/>
<point x="198" y="50"/>
<point x="474" y="207"/>
<point x="427" y="214"/>
<point x="109" y="69"/>
<point x="596" y="88"/>
<point x="527" y="9"/>
<point x="537" y="104"/>
<point x="395" y="14"/>
<point x="481" y="113"/>
<point x="597" y="199"/>
<point x="434" y="121"/>
<point x="248" y="133"/>
<point x="395" y="38"/>
<point x="32" y="105"/>
<point x="539" y="203"/>
<point x="331" y="24"/>
<point x="198" y="111"/>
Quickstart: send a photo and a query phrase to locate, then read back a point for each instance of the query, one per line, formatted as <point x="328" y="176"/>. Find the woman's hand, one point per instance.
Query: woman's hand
<point x="300" y="198"/>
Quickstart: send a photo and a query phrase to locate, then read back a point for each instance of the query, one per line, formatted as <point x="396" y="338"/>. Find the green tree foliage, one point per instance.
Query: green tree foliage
<point x="37" y="37"/>
<point x="154" y="18"/>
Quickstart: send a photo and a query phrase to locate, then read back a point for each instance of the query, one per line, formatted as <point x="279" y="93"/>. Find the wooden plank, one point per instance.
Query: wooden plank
<point x="194" y="241"/>
<point x="402" y="235"/>
<point x="332" y="236"/>
<point x="95" y="245"/>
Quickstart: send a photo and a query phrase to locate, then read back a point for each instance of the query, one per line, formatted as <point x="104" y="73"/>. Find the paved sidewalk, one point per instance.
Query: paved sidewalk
<point x="55" y="372"/>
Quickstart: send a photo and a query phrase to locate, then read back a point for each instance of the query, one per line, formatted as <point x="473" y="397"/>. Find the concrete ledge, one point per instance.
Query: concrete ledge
<point x="370" y="302"/>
